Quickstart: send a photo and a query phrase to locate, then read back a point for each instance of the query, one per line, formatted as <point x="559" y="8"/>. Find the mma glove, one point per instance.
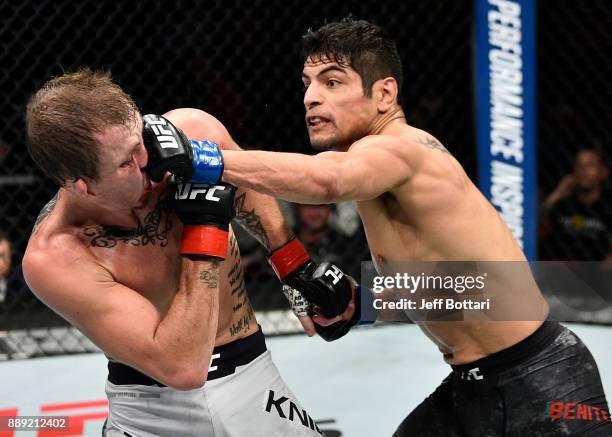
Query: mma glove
<point x="170" y="150"/>
<point x="309" y="285"/>
<point x="205" y="211"/>
<point x="342" y="327"/>
<point x="339" y="329"/>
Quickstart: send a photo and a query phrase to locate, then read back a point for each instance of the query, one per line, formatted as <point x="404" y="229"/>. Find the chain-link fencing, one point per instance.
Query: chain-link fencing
<point x="575" y="138"/>
<point x="240" y="61"/>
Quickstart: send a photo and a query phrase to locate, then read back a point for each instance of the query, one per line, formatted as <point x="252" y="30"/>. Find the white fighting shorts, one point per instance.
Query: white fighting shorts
<point x="244" y="396"/>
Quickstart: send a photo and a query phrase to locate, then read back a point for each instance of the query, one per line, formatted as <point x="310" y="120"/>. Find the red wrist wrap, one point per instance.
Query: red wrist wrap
<point x="289" y="257"/>
<point x="204" y="240"/>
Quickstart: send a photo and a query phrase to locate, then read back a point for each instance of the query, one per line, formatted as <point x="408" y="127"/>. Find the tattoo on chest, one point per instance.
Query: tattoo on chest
<point x="44" y="213"/>
<point x="432" y="143"/>
<point x="236" y="275"/>
<point x="251" y="221"/>
<point x="153" y="230"/>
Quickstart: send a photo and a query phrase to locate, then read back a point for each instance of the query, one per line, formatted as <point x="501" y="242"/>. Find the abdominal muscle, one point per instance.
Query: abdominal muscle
<point x="396" y="234"/>
<point x="464" y="342"/>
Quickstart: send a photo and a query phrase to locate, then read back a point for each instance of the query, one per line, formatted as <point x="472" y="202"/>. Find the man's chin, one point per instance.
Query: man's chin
<point x="323" y="143"/>
<point x="143" y="200"/>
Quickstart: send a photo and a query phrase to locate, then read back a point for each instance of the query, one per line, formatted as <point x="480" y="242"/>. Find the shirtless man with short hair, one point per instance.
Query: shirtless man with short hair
<point x="417" y="204"/>
<point x="151" y="273"/>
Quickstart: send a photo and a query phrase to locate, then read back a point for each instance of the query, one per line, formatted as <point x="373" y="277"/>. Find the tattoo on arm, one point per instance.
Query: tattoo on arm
<point x="210" y="276"/>
<point x="44" y="213"/>
<point x="251" y="221"/>
<point x="432" y="143"/>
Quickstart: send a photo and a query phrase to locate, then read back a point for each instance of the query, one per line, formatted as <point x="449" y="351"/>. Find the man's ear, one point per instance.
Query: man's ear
<point x="385" y="92"/>
<point x="80" y="187"/>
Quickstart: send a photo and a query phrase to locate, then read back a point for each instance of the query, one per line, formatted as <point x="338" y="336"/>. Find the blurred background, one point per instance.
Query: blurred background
<point x="241" y="62"/>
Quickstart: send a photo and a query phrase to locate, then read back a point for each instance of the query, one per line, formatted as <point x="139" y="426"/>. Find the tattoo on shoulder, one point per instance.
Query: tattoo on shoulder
<point x="44" y="213"/>
<point x="251" y="221"/>
<point x="153" y="230"/>
<point x="432" y="143"/>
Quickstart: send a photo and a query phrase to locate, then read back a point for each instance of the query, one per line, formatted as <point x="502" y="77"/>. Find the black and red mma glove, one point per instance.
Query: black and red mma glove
<point x="206" y="211"/>
<point x="323" y="285"/>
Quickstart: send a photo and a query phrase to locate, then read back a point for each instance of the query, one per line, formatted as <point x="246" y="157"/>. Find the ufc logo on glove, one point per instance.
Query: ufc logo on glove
<point x="190" y="191"/>
<point x="164" y="134"/>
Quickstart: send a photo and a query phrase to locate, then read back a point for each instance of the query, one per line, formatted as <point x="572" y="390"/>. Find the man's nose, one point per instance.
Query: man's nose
<point x="312" y="97"/>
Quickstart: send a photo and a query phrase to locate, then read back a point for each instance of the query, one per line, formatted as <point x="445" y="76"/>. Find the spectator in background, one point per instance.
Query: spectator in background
<point x="578" y="213"/>
<point x="5" y="264"/>
<point x="312" y="227"/>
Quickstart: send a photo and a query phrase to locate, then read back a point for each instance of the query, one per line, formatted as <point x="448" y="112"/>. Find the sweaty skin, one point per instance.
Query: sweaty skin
<point x="414" y="198"/>
<point x="118" y="276"/>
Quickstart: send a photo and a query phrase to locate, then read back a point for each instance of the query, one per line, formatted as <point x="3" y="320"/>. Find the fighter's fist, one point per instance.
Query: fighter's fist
<point x="323" y="285"/>
<point x="205" y="211"/>
<point x="168" y="149"/>
<point x="171" y="151"/>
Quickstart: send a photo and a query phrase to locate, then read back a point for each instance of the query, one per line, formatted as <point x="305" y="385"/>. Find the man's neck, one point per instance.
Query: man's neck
<point x="81" y="212"/>
<point x="396" y="114"/>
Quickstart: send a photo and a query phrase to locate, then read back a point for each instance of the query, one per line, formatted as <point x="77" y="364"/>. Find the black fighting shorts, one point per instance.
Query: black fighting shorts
<point x="546" y="385"/>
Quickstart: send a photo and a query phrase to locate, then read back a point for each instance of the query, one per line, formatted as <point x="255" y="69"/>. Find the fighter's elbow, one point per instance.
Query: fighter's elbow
<point x="341" y="184"/>
<point x="179" y="372"/>
<point x="328" y="187"/>
<point x="186" y="379"/>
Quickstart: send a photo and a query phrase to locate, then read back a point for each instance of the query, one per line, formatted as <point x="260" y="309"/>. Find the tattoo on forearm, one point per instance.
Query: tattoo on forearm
<point x="251" y="221"/>
<point x="44" y="213"/>
<point x="210" y="276"/>
<point x="154" y="229"/>
<point x="432" y="143"/>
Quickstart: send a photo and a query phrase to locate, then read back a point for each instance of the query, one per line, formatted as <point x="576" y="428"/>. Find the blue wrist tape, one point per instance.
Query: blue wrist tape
<point x="365" y="311"/>
<point x="207" y="162"/>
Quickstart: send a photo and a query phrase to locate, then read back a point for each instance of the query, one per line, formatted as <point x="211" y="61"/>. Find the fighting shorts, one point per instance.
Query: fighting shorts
<point x="244" y="395"/>
<point x="546" y="385"/>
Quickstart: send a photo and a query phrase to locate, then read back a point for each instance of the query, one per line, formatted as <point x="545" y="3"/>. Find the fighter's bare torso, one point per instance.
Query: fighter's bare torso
<point x="144" y="258"/>
<point x="438" y="214"/>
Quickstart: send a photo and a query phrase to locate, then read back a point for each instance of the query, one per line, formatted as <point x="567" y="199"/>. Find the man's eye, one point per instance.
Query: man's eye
<point x="127" y="163"/>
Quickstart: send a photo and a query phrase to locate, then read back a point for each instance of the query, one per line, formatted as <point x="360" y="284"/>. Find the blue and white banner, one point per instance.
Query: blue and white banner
<point x="506" y="113"/>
